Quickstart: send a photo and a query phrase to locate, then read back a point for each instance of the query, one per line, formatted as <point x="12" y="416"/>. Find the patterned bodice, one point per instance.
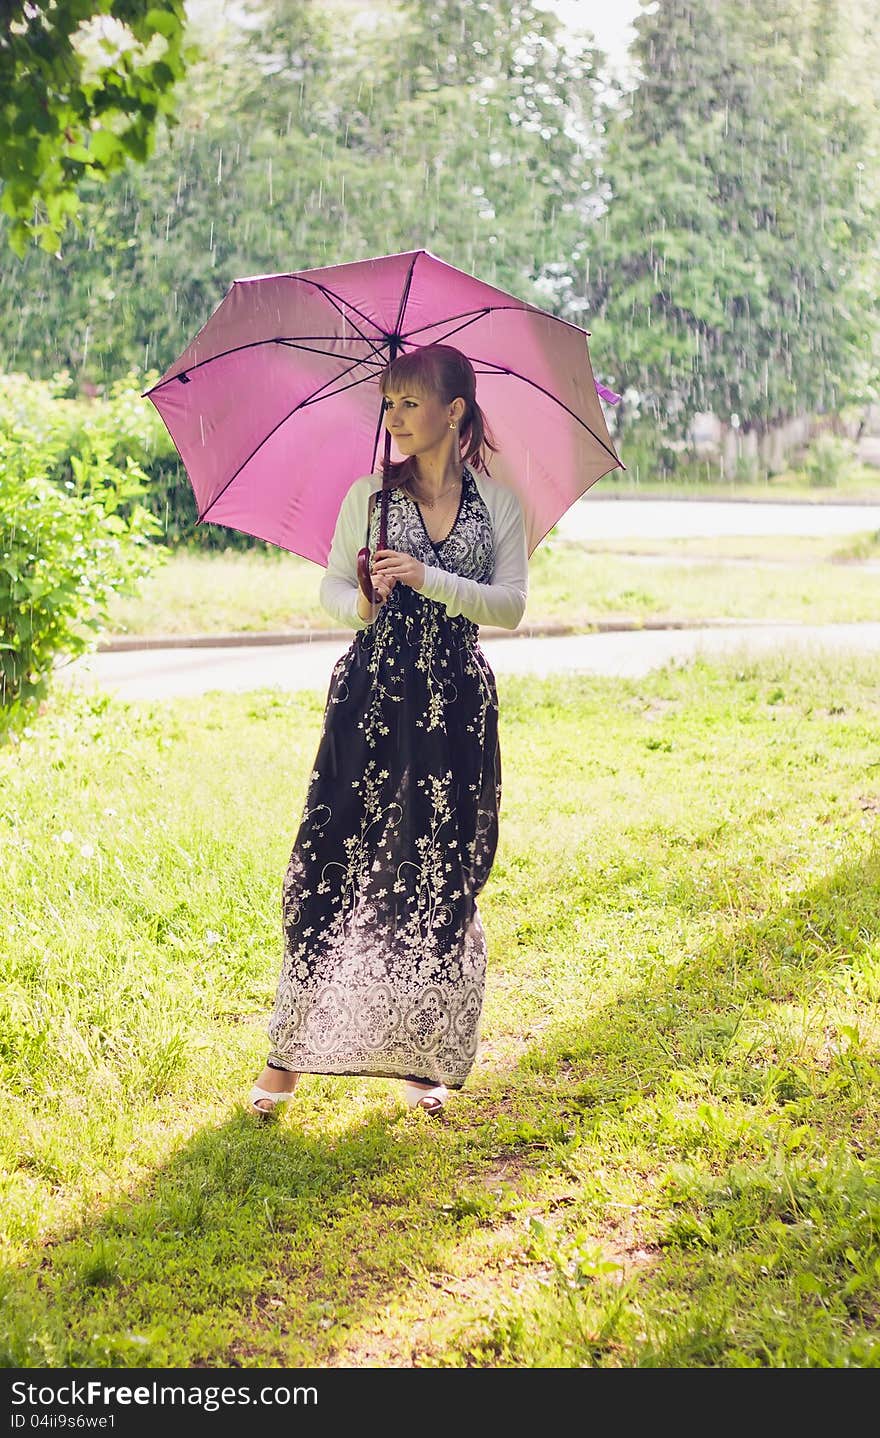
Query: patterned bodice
<point x="468" y="550"/>
<point x="469" y="547"/>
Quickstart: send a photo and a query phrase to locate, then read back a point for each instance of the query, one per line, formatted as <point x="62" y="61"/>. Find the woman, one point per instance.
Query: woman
<point x="385" y="954"/>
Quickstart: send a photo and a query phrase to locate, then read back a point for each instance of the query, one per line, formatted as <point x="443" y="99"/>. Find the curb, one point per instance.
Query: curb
<point x="634" y="495"/>
<point x="528" y="631"/>
<point x="637" y="496"/>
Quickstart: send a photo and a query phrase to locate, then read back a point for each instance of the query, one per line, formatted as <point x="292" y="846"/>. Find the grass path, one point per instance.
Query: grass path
<point x="793" y="549"/>
<point x="667" y="1153"/>
<point x="252" y="592"/>
<point x="862" y="483"/>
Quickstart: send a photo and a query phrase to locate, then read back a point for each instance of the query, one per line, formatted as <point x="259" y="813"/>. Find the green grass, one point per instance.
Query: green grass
<point x="249" y="592"/>
<point x="790" y="549"/>
<point x="667" y="1153"/>
<point x="861" y="482"/>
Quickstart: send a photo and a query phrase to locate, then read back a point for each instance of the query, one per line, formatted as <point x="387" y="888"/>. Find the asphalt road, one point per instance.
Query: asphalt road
<point x="167" y="673"/>
<point x="595" y="518"/>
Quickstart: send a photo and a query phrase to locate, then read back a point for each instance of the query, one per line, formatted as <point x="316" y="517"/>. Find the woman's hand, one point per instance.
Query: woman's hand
<point x="381" y="589"/>
<point x="394" y="565"/>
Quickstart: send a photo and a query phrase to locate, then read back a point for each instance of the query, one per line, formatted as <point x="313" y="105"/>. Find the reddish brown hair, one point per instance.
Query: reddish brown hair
<point x="446" y="372"/>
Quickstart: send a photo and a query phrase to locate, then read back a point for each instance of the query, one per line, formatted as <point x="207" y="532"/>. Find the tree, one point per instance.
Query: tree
<point x="734" y="268"/>
<point x="310" y="139"/>
<point x="83" y="83"/>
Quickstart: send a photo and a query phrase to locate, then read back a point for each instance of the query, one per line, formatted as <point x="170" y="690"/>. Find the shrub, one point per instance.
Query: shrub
<point x="638" y="443"/>
<point x="827" y="461"/>
<point x="122" y="423"/>
<point x="124" y="426"/>
<point x="37" y="410"/>
<point x="65" y="549"/>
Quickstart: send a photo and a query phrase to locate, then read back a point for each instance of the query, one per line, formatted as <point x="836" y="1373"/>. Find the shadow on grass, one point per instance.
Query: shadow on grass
<point x="258" y="1246"/>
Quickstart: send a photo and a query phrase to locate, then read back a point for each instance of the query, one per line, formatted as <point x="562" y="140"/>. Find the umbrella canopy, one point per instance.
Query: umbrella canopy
<point x="275" y="406"/>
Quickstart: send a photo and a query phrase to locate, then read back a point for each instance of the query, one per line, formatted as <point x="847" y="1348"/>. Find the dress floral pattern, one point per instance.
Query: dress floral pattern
<point x="384" y="950"/>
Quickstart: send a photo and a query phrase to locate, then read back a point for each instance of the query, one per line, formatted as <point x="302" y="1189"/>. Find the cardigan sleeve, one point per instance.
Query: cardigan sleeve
<point x="339" y="586"/>
<point x="501" y="602"/>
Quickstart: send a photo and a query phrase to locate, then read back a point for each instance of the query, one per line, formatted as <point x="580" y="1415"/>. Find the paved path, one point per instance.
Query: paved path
<point x="595" y="518"/>
<point x="165" y="673"/>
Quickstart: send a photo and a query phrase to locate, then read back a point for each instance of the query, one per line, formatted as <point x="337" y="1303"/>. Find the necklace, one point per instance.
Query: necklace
<point x="430" y="503"/>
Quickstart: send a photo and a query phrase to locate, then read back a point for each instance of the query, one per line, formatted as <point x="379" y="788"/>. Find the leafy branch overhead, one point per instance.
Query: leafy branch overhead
<point x="83" y="84"/>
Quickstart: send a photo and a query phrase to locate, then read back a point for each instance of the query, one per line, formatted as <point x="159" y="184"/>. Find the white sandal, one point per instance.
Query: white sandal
<point x="276" y="1098"/>
<point x="431" y="1099"/>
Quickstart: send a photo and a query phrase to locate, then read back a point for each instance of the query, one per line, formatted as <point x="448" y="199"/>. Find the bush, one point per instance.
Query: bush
<point x="65" y="549"/>
<point x="37" y="409"/>
<point x="638" y="443"/>
<point x="124" y="426"/>
<point x="827" y="461"/>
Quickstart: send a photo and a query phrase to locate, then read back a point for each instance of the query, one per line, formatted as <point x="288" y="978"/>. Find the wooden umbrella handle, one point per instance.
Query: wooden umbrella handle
<point x="363" y="572"/>
<point x="365" y="581"/>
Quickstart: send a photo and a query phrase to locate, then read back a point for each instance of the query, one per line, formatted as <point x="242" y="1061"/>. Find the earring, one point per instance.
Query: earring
<point x="453" y="425"/>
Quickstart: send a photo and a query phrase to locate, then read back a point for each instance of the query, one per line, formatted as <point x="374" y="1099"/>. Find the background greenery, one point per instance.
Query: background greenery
<point x="713" y="227"/>
<point x="83" y="83"/>
<point x="668" y="1153"/>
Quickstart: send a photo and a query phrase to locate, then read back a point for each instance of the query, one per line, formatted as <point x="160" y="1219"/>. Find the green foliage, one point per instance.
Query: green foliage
<point x="84" y="83"/>
<point x="827" y="461"/>
<point x="64" y="430"/>
<point x="59" y="424"/>
<point x="734" y="270"/>
<point x="312" y="140"/>
<point x="122" y="430"/>
<point x="713" y="228"/>
<point x="647" y="457"/>
<point x="73" y="532"/>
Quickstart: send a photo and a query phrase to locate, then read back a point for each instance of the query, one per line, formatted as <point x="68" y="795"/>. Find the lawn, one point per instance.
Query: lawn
<point x="250" y="591"/>
<point x="764" y="549"/>
<point x="860" y="482"/>
<point x="667" y="1153"/>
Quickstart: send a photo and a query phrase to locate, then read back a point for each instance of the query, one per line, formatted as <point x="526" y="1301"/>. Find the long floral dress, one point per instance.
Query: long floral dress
<point x="385" y="953"/>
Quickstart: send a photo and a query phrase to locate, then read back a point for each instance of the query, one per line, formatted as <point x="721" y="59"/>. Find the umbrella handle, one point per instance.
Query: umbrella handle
<point x="384" y="493"/>
<point x="365" y="582"/>
<point x="363" y="573"/>
<point x="383" y="515"/>
<point x="364" y="578"/>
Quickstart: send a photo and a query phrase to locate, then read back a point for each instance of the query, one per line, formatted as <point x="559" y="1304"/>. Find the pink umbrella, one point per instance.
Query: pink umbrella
<point x="275" y="406"/>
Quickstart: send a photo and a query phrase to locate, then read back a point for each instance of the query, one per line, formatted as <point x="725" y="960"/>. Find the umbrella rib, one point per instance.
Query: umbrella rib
<point x="292" y="344"/>
<point x="447" y="334"/>
<point x="316" y="397"/>
<point x="404" y="298"/>
<point x="523" y="308"/>
<point x="251" y="345"/>
<point x="396" y="336"/>
<point x="337" y="301"/>
<point x="502" y="369"/>
<point x="313" y="398"/>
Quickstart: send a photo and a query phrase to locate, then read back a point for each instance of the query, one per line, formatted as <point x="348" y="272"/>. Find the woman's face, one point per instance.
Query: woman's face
<point x="418" y="422"/>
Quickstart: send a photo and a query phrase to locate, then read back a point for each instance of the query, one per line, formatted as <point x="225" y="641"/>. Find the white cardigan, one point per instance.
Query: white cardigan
<point x="501" y="602"/>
